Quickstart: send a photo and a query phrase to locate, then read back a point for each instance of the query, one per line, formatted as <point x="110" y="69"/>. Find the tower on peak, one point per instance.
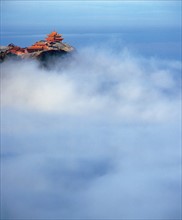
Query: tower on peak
<point x="54" y="37"/>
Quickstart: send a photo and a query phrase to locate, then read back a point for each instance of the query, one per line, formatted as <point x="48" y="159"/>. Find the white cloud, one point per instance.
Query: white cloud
<point x="97" y="138"/>
<point x="94" y="82"/>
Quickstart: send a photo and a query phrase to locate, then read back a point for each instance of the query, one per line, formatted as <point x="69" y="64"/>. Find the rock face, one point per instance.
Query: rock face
<point x="41" y="50"/>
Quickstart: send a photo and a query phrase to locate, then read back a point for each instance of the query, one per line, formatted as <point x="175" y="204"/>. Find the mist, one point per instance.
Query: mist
<point x="95" y="83"/>
<point x="96" y="135"/>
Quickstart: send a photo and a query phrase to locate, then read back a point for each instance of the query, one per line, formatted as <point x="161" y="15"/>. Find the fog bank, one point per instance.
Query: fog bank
<point x="95" y="136"/>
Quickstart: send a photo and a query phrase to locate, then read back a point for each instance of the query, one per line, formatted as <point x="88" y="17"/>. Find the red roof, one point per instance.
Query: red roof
<point x="54" y="33"/>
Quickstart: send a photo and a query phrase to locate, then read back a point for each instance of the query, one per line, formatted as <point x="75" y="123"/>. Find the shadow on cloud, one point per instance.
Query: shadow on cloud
<point x="95" y="136"/>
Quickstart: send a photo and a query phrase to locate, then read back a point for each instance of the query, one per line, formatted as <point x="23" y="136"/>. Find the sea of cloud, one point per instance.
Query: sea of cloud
<point x="94" y="135"/>
<point x="95" y="83"/>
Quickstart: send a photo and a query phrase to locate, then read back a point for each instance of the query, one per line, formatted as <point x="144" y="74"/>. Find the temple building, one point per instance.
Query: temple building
<point x="38" y="46"/>
<point x="54" y="37"/>
<point x="46" y="44"/>
<point x="17" y="50"/>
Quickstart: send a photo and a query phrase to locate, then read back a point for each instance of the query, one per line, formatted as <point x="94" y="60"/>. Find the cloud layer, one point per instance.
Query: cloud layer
<point x="95" y="137"/>
<point x="95" y="82"/>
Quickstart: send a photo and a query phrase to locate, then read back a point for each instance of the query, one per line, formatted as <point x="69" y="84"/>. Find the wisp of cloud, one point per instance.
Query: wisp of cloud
<point x="96" y="135"/>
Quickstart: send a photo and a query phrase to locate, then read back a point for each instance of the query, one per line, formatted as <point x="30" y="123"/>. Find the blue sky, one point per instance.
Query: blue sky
<point x="89" y="15"/>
